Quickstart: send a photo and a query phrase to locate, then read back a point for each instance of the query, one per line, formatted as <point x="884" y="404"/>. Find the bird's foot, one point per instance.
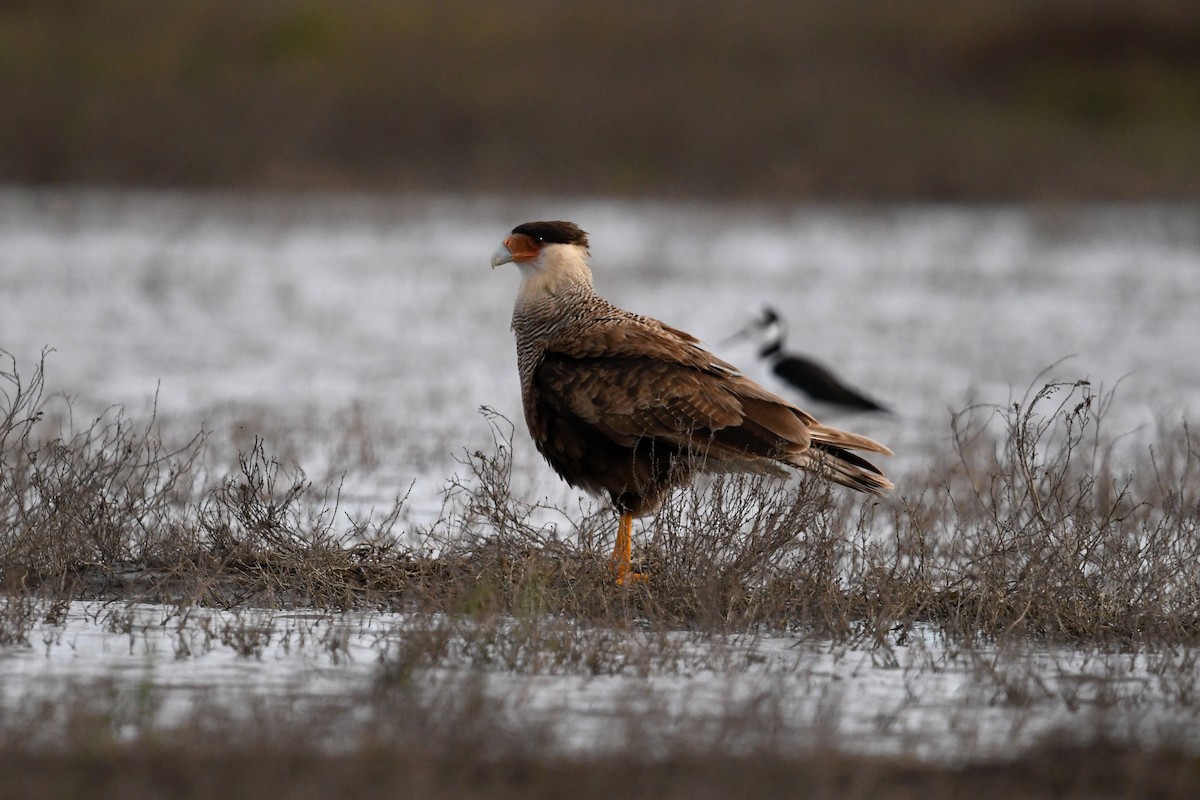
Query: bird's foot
<point x="626" y="575"/>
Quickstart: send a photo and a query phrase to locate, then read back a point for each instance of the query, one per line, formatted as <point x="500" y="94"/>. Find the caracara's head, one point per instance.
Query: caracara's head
<point x="550" y="255"/>
<point x="531" y="242"/>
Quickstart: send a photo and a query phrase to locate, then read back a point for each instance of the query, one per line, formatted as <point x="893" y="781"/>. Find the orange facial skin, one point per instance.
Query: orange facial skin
<point x="522" y="247"/>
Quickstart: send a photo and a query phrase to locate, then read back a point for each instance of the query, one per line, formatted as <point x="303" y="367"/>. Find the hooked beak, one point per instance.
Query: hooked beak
<point x="515" y="247"/>
<point x="502" y="255"/>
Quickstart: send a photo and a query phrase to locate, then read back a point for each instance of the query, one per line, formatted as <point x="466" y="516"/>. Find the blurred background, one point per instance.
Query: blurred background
<point x="950" y="100"/>
<point x="206" y="204"/>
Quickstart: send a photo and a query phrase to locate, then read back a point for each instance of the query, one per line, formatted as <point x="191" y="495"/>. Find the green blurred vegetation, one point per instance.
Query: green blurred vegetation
<point x="977" y="99"/>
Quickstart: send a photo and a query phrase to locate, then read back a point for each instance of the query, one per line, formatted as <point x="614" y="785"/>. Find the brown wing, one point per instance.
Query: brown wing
<point x="629" y="428"/>
<point x="628" y="398"/>
<point x="616" y="407"/>
<point x="636" y="381"/>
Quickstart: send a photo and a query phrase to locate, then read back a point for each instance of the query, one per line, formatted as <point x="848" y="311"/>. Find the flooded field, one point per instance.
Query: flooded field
<point x="159" y="669"/>
<point x="359" y="337"/>
<point x="313" y="310"/>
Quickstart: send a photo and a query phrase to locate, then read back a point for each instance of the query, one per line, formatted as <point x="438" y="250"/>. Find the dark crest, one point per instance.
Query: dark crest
<point x="556" y="232"/>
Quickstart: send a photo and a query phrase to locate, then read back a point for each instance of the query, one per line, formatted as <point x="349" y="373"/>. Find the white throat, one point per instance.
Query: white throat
<point x="559" y="269"/>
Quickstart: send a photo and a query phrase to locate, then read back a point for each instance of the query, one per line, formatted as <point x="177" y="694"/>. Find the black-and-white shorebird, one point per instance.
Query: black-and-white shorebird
<point x="625" y="406"/>
<point x="812" y="378"/>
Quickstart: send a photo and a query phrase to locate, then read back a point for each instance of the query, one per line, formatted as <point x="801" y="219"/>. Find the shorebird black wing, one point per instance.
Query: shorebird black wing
<point x="820" y="384"/>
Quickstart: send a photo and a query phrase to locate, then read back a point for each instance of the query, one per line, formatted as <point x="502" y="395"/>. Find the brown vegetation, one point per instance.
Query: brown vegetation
<point x="1035" y="526"/>
<point x="877" y="100"/>
<point x="1040" y="527"/>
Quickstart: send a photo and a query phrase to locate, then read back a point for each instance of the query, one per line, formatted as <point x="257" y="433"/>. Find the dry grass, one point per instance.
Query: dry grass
<point x="1057" y="530"/>
<point x="1035" y="525"/>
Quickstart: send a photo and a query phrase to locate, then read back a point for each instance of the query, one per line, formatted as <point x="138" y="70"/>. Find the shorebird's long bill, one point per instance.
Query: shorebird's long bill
<point x="737" y="337"/>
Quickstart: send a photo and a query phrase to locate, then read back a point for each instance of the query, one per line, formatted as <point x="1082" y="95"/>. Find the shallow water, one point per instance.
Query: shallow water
<point x="158" y="669"/>
<point x="302" y="312"/>
<point x="304" y="316"/>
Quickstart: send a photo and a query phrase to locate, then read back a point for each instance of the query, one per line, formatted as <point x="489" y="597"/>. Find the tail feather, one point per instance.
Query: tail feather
<point x="830" y="455"/>
<point x="835" y="437"/>
<point x="846" y="468"/>
<point x="773" y="430"/>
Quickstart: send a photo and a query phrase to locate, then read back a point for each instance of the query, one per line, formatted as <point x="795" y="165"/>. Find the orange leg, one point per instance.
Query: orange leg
<point x="623" y="552"/>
